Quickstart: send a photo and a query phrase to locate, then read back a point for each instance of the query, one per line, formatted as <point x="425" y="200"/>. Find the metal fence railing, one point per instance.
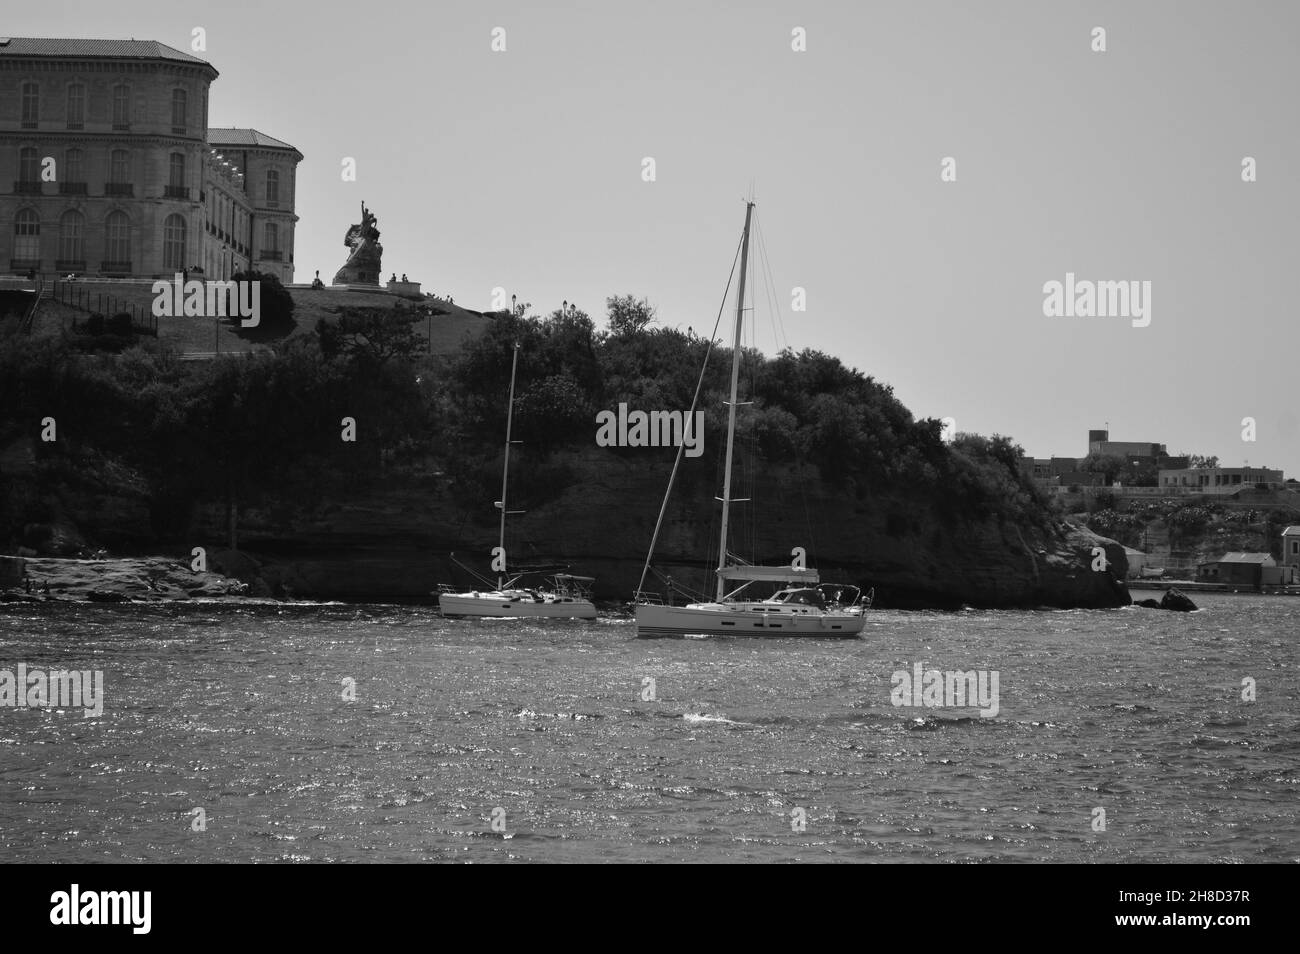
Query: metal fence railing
<point x="76" y="295"/>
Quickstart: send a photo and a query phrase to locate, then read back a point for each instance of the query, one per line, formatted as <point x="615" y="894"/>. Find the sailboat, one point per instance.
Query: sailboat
<point x="803" y="606"/>
<point x="561" y="596"/>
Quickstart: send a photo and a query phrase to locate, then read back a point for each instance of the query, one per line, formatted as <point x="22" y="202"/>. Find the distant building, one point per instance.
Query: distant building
<point x="1244" y="569"/>
<point x="1221" y="480"/>
<point x="1099" y="442"/>
<point x="1080" y="478"/>
<point x="1143" y="455"/>
<point x="1129" y="449"/>
<point x="107" y="166"/>
<point x="1280" y="575"/>
<point x="1291" y="546"/>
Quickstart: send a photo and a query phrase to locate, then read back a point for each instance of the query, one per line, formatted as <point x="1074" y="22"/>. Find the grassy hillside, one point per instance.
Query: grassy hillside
<point x="446" y="332"/>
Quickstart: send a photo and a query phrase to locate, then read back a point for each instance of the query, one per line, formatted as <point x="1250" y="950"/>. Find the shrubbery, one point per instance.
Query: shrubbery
<point x="266" y="428"/>
<point x="275" y="301"/>
<point x="808" y="408"/>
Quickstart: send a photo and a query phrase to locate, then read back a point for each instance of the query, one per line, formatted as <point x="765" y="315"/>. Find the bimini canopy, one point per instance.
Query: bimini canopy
<point x="769" y="574"/>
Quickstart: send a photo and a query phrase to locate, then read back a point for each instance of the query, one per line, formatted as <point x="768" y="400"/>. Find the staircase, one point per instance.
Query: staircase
<point x="42" y="292"/>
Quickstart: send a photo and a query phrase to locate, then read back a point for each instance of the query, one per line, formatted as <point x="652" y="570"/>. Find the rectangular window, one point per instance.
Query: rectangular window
<point x="76" y="106"/>
<point x="31" y="104"/>
<point x="27" y="236"/>
<point x="29" y="165"/>
<point x="179" y="108"/>
<point x="119" y="239"/>
<point x="121" y="107"/>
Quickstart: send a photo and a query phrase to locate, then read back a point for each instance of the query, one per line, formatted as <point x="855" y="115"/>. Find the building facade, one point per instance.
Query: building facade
<point x="250" y="199"/>
<point x="1221" y="480"/>
<point x="1291" y="547"/>
<point x="107" y="168"/>
<point x="1244" y="569"/>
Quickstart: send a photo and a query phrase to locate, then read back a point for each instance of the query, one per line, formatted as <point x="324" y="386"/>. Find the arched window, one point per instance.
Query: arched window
<point x="31" y="104"/>
<point x="174" y="243"/>
<point x="272" y="188"/>
<point x="72" y="246"/>
<point x="121" y="107"/>
<point x="117" y="229"/>
<point x="76" y="106"/>
<point x="27" y="236"/>
<point x="29" y="165"/>
<point x="180" y="104"/>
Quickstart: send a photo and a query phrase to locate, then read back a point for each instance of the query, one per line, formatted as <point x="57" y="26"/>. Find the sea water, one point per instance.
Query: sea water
<point x="304" y="733"/>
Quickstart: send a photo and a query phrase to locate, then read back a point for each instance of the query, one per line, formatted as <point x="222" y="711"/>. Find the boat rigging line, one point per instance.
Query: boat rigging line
<point x="699" y="386"/>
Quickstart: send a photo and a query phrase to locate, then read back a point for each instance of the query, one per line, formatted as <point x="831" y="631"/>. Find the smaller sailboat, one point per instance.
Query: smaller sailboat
<point x="803" y="606"/>
<point x="559" y="596"/>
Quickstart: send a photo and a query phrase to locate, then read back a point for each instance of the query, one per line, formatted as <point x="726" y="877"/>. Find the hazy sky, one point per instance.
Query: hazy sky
<point x="523" y="169"/>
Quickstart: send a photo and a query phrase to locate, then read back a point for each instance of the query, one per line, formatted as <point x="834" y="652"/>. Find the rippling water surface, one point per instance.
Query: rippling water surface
<point x="238" y="710"/>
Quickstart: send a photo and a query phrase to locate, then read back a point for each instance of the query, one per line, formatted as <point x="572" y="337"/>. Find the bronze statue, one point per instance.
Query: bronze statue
<point x="362" y="266"/>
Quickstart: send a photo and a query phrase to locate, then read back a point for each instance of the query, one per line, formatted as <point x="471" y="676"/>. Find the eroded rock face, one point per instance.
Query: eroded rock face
<point x="395" y="545"/>
<point x="149" y="579"/>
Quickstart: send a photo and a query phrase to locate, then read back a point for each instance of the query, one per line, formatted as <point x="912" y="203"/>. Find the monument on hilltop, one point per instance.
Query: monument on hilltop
<point x="363" y="264"/>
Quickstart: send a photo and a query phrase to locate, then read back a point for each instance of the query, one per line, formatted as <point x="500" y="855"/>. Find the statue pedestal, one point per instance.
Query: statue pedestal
<point x="356" y="276"/>
<point x="406" y="289"/>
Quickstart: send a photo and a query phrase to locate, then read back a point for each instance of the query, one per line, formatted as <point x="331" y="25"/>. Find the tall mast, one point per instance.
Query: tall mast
<point x="731" y="405"/>
<point x="505" y="468"/>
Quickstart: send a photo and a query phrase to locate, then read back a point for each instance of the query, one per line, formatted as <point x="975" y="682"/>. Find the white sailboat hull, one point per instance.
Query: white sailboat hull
<point x="502" y="605"/>
<point x="745" y="619"/>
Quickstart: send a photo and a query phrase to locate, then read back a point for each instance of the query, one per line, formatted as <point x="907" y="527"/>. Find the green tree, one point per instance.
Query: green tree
<point x="275" y="302"/>
<point x="628" y="315"/>
<point x="1110" y="466"/>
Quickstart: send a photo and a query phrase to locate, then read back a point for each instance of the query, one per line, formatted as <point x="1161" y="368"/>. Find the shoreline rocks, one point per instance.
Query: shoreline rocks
<point x="117" y="580"/>
<point x="1174" y="599"/>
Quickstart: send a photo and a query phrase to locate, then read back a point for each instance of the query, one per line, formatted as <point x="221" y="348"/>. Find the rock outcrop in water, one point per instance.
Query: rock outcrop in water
<point x="149" y="580"/>
<point x="1173" y="599"/>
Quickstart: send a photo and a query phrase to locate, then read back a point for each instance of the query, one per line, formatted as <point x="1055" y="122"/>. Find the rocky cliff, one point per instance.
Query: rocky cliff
<point x="394" y="543"/>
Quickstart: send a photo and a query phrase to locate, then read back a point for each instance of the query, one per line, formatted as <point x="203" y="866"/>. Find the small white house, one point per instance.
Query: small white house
<point x="1291" y="546"/>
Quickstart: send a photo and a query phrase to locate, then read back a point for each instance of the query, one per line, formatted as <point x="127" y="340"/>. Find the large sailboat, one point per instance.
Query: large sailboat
<point x="559" y="596"/>
<point x="803" y="606"/>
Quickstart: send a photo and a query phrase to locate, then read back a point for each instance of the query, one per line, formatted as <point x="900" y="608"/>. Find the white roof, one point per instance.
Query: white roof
<point x="1291" y="532"/>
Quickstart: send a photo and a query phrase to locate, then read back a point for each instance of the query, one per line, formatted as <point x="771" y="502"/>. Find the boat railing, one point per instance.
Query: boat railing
<point x="572" y="587"/>
<point x="645" y="597"/>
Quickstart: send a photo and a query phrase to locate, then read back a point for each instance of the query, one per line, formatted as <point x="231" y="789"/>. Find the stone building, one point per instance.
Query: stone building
<point x="107" y="166"/>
